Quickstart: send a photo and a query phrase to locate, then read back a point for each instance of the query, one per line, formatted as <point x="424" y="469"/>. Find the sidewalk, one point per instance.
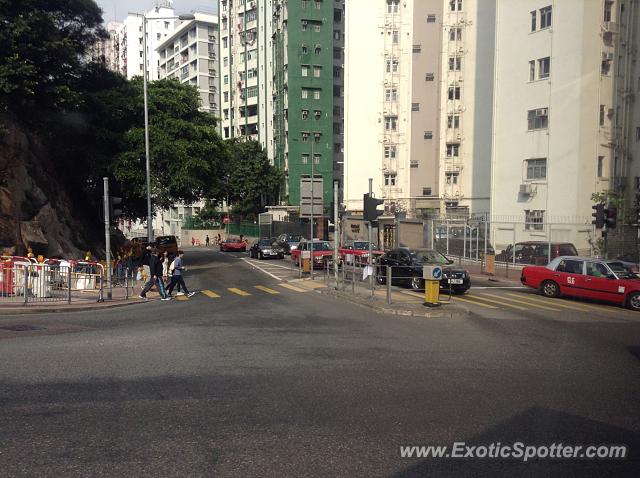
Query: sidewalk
<point x="80" y="301"/>
<point x="404" y="302"/>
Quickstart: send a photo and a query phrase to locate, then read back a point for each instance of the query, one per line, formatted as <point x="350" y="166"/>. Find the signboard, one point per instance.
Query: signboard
<point x="431" y="272"/>
<point x="265" y="218"/>
<point x="305" y="196"/>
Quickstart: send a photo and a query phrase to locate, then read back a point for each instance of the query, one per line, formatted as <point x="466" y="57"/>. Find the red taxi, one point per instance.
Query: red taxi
<point x="233" y="245"/>
<point x="321" y="250"/>
<point x="583" y="277"/>
<point x="357" y="252"/>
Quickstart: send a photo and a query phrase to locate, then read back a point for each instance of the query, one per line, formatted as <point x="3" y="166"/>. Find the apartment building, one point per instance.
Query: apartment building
<point x="281" y="85"/>
<point x="392" y="77"/>
<point x="189" y="56"/>
<point x="128" y="43"/>
<point x="466" y="106"/>
<point x="563" y="114"/>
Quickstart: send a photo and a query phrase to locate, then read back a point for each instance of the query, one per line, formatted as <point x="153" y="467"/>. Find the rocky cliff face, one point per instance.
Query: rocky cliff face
<point x="35" y="210"/>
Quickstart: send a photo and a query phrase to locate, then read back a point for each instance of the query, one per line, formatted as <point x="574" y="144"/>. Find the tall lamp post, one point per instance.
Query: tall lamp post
<point x="146" y="111"/>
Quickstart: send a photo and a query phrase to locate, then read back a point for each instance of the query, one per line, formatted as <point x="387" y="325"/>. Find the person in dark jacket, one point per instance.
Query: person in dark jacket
<point x="155" y="277"/>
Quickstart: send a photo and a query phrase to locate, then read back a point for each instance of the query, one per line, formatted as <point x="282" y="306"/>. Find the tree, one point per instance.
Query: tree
<point x="252" y="181"/>
<point x="44" y="44"/>
<point x="187" y="154"/>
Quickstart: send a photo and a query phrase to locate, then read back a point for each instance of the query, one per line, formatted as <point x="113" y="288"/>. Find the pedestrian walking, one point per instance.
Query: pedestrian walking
<point x="177" y="278"/>
<point x="155" y="277"/>
<point x="166" y="262"/>
<point x="218" y="239"/>
<point x="206" y="240"/>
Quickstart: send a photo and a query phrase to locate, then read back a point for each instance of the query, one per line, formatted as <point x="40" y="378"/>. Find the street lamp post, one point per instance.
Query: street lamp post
<point x="146" y="112"/>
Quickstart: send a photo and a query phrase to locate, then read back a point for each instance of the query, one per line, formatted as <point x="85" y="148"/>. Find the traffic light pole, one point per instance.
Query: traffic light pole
<point x="107" y="236"/>
<point x="370" y="247"/>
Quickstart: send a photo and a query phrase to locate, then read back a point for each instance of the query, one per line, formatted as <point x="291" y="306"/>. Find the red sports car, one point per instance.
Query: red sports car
<point x="609" y="281"/>
<point x="233" y="245"/>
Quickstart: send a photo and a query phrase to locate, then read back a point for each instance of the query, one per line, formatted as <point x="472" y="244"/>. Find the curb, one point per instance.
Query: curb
<point x="42" y="310"/>
<point x="385" y="310"/>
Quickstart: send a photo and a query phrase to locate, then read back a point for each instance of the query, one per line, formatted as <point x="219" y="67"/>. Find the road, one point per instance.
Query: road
<point x="255" y="378"/>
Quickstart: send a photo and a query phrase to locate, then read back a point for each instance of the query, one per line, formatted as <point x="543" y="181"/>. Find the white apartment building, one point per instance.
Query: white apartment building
<point x="128" y="42"/>
<point x="466" y="107"/>
<point x="392" y="94"/>
<point x="189" y="56"/>
<point x="562" y="101"/>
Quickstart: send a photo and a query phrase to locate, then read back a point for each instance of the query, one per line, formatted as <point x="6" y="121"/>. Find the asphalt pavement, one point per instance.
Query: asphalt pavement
<point x="254" y="376"/>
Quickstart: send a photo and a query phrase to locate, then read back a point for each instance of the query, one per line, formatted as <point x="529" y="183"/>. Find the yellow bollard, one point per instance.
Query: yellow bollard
<point x="432" y="276"/>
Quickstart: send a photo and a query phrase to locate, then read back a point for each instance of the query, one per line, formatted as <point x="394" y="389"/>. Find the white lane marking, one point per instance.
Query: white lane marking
<point x="499" y="287"/>
<point x="275" y="265"/>
<point x="260" y="269"/>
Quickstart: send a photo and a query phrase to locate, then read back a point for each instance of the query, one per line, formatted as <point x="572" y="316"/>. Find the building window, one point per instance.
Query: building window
<point x="426" y="191"/>
<point x="602" y="114"/>
<point x="454" y="92"/>
<point x="544" y="67"/>
<point x="336" y="34"/>
<point x="428" y="77"/>
<point x="537" y="168"/>
<point x="637" y="133"/>
<point x="316" y="94"/>
<point x="606" y="67"/>
<point x="337" y="73"/>
<point x="337" y="53"/>
<point x="225" y="79"/>
<point x="415" y="106"/>
<point x="395" y="36"/>
<point x="608" y="6"/>
<point x="305" y="137"/>
<point x="224" y="42"/>
<point x="390" y="123"/>
<point x="392" y="6"/>
<point x="455" y="63"/>
<point x="431" y="18"/>
<point x="453" y="150"/>
<point x="305" y="3"/>
<point x="532" y="70"/>
<point x="538" y="119"/>
<point x="317" y="114"/>
<point x="317" y="136"/>
<point x="390" y="152"/>
<point x="305" y="70"/>
<point x="305" y="158"/>
<point x="389" y="179"/>
<point x="392" y="66"/>
<point x="304" y="49"/>
<point x="455" y="34"/>
<point x="305" y="93"/>
<point x="317" y="4"/>
<point x="316" y="27"/>
<point x="317" y="49"/>
<point x="316" y="158"/>
<point x="305" y="114"/>
<point x="337" y="15"/>
<point x="226" y="96"/>
<point x="533" y="20"/>
<point x="545" y="17"/>
<point x="225" y="61"/>
<point x="451" y="178"/>
<point x="316" y="71"/>
<point x="453" y="121"/>
<point x="416" y="48"/>
<point x="428" y="135"/>
<point x="304" y="25"/>
<point x="455" y="5"/>
<point x="391" y="94"/>
<point x="534" y="220"/>
<point x="600" y="166"/>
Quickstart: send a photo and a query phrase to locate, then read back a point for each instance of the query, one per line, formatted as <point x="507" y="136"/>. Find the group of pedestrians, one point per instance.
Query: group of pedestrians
<point x="166" y="273"/>
<point x="207" y="240"/>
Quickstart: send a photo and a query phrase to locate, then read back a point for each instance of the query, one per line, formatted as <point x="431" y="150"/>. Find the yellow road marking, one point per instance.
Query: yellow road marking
<point x="292" y="287"/>
<point x="531" y="304"/>
<point x="238" y="291"/>
<point x="266" y="289"/>
<point x="493" y="301"/>
<point x="582" y="307"/>
<point x="475" y="303"/>
<point x="182" y="297"/>
<point x="211" y="294"/>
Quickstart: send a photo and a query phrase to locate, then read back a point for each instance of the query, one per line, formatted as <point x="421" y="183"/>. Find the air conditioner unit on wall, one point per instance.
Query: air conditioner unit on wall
<point x="526" y="189"/>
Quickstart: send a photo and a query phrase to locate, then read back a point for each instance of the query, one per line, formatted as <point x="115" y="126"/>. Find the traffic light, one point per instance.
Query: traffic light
<point x="611" y="214"/>
<point x="371" y="204"/>
<point x="114" y="212"/>
<point x="598" y="215"/>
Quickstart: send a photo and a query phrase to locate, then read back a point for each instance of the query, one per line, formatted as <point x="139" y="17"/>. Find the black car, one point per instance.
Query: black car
<point x="289" y="242"/>
<point x="406" y="269"/>
<point x="263" y="248"/>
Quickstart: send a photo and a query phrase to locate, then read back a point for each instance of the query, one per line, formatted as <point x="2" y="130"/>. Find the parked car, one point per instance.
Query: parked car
<point x="232" y="244"/>
<point x="406" y="269"/>
<point x="289" y="242"/>
<point x="167" y="243"/>
<point x="264" y="248"/>
<point x="322" y="251"/>
<point x="536" y="252"/>
<point x="357" y="252"/>
<point x="574" y="276"/>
